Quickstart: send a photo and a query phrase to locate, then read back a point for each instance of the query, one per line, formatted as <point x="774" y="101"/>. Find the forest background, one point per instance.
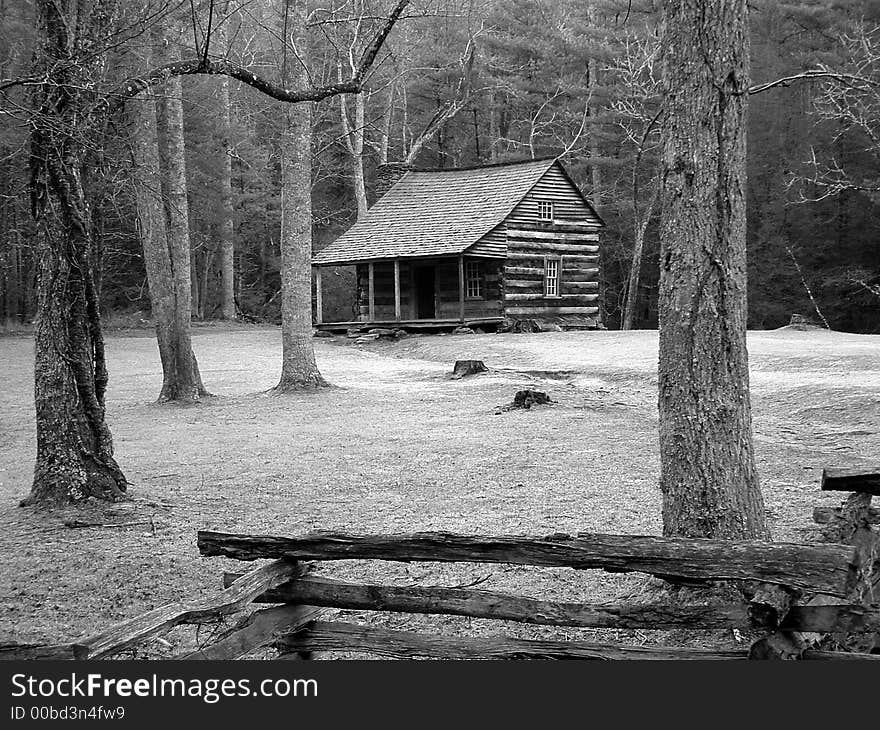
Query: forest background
<point x="466" y="82"/>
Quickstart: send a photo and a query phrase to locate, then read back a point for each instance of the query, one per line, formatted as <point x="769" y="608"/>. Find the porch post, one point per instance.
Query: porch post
<point x="461" y="287"/>
<point x="372" y="292"/>
<point x="397" y="289"/>
<point x="319" y="303"/>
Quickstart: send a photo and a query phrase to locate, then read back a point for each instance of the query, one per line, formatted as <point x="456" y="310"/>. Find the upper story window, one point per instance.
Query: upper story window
<point x="473" y="280"/>
<point x="551" y="277"/>
<point x="545" y="210"/>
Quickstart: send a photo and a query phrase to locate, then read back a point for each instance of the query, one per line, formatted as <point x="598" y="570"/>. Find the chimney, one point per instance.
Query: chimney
<point x="386" y="177"/>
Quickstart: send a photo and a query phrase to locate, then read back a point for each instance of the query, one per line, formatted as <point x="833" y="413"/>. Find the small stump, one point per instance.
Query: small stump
<point x="463" y="368"/>
<point x="526" y="399"/>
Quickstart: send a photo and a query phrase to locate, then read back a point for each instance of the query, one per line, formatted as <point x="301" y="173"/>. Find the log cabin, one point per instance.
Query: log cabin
<point x="476" y="246"/>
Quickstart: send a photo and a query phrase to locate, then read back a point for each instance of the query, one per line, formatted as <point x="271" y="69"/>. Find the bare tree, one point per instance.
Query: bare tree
<point x="708" y="475"/>
<point x="227" y="207"/>
<point x="638" y="113"/>
<point x="182" y="381"/>
<point x="298" y="367"/>
<point x="71" y="101"/>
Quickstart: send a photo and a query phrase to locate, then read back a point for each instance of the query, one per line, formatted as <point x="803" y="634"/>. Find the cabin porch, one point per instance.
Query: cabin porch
<point x="422" y="293"/>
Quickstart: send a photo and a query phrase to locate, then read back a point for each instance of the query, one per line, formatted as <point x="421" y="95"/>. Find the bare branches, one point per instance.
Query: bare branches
<point x="208" y="66"/>
<point x="817" y="74"/>
<point x="451" y="108"/>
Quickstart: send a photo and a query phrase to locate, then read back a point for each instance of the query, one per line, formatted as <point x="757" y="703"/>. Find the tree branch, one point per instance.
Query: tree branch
<point x="208" y="66"/>
<point x="810" y="76"/>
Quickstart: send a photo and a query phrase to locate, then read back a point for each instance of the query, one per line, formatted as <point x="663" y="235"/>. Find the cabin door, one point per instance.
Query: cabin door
<point x="424" y="281"/>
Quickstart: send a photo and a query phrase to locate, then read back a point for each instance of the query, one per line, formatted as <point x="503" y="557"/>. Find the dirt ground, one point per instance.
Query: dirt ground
<point x="398" y="446"/>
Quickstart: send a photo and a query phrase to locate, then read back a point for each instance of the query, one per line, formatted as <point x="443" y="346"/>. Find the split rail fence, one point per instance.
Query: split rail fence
<point x="794" y="595"/>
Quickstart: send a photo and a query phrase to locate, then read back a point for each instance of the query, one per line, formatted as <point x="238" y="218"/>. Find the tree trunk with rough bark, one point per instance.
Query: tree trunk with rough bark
<point x="640" y="225"/>
<point x="708" y="476"/>
<point x="183" y="383"/>
<point x="354" y="143"/>
<point x="298" y="368"/>
<point x="227" y="204"/>
<point x="146" y="179"/>
<point x="74" y="445"/>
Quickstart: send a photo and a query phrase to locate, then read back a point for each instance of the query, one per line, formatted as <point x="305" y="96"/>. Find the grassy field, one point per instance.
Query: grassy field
<point x="397" y="446"/>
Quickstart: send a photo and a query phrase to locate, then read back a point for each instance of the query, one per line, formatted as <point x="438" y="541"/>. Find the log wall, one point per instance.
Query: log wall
<point x="576" y="248"/>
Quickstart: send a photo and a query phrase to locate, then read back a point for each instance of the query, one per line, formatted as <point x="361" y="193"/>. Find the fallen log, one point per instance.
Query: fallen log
<point x="222" y="603"/>
<point x="817" y="568"/>
<point x="339" y="636"/>
<point x="837" y="479"/>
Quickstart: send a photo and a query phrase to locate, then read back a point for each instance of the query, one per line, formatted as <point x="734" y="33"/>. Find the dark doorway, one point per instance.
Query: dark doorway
<point x="424" y="281"/>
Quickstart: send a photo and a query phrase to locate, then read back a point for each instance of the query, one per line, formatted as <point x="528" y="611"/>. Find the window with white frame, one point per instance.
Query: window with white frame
<point x="551" y="277"/>
<point x="473" y="280"/>
<point x="545" y="210"/>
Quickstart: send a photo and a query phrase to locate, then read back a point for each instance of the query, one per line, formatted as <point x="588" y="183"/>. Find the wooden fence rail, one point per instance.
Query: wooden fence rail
<point x="827" y="569"/>
<point x="792" y="593"/>
<point x="321" y="591"/>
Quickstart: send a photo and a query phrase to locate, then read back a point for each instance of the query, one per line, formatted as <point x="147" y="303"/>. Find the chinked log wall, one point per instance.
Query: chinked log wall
<point x="575" y="247"/>
<point x="792" y="593"/>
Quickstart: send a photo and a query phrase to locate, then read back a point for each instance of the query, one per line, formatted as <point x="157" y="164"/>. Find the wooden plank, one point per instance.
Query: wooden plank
<point x="863" y="479"/>
<point x="39" y="652"/>
<point x="258" y="629"/>
<point x="552" y="310"/>
<point x="521" y="234"/>
<point x="519" y="258"/>
<point x="339" y="636"/>
<point x="321" y="591"/>
<point x="330" y="593"/>
<point x="128" y="633"/>
<point x="824" y="515"/>
<point x="558" y="225"/>
<point x="319" y="303"/>
<point x="397" y="290"/>
<point x="549" y="247"/>
<point x="563" y="299"/>
<point x="461" y="287"/>
<point x="821" y="568"/>
<point x="519" y="270"/>
<point x="533" y="281"/>
<point x="371" y="292"/>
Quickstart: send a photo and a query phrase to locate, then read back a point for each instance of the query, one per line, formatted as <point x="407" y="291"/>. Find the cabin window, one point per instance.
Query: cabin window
<point x="545" y="210"/>
<point x="551" y="277"/>
<point x="473" y="280"/>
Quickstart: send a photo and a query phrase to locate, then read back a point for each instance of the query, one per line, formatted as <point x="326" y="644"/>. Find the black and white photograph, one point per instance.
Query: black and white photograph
<point x="347" y="331"/>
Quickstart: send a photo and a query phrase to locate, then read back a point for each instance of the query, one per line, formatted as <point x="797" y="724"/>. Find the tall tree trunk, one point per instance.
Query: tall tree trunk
<point x="708" y="476"/>
<point x="640" y="225"/>
<point x="298" y="368"/>
<point x="595" y="152"/>
<point x="185" y="384"/>
<point x="353" y="134"/>
<point x="227" y="205"/>
<point x="632" y="289"/>
<point x="74" y="446"/>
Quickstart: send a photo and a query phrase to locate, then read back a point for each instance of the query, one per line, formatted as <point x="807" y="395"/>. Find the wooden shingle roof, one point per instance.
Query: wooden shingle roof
<point x="436" y="213"/>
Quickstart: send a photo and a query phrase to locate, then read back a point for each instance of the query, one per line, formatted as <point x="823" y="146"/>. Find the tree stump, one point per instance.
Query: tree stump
<point x="528" y="398"/>
<point x="463" y="368"/>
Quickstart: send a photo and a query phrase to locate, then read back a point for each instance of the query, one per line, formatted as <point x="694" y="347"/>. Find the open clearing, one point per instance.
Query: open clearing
<point x="395" y="447"/>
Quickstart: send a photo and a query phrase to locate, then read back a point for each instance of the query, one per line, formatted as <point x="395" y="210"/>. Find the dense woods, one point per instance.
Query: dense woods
<point x="460" y="82"/>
